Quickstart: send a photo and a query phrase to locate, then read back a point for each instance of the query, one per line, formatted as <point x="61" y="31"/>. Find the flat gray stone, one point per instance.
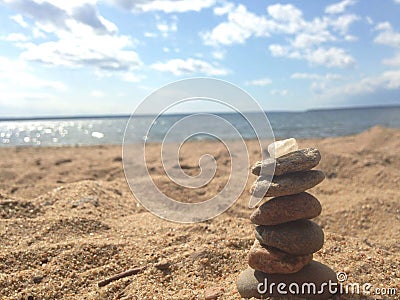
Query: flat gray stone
<point x="296" y="161"/>
<point x="273" y="261"/>
<point x="288" y="184"/>
<point x="314" y="274"/>
<point x="286" y="209"/>
<point x="297" y="238"/>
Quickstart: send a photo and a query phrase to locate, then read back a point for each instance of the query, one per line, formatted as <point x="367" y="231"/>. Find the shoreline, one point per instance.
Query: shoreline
<point x="117" y="116"/>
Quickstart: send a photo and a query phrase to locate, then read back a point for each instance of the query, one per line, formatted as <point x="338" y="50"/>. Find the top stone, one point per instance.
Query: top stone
<point x="282" y="147"/>
<point x="300" y="160"/>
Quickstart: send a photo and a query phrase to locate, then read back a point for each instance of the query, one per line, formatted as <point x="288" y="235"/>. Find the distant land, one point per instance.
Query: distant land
<point x="124" y="116"/>
<point x="355" y="107"/>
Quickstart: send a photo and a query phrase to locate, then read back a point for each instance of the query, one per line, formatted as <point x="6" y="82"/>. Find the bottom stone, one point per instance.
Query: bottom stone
<point x="314" y="281"/>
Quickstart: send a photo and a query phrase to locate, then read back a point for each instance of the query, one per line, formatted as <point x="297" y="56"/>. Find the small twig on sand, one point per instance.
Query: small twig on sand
<point x="120" y="275"/>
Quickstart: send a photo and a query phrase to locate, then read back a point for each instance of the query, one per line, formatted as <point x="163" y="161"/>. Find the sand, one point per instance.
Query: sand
<point x="68" y="221"/>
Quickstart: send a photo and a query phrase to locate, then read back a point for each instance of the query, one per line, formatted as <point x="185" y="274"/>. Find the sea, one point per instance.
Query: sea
<point x="104" y="130"/>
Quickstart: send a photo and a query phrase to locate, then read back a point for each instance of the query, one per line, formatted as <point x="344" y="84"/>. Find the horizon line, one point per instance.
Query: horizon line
<point x="121" y="116"/>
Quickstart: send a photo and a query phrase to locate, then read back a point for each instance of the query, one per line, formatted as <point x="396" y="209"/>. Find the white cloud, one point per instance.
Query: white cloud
<point x="73" y="34"/>
<point x="284" y="12"/>
<point x="150" y="34"/>
<point x="279" y="92"/>
<point x="15" y="37"/>
<point x="288" y="19"/>
<point x="38" y="34"/>
<point x="319" y="87"/>
<point x="55" y="14"/>
<point x="279" y="50"/>
<point x="223" y="9"/>
<point x="100" y="51"/>
<point x="19" y="20"/>
<point x="350" y="38"/>
<point x="180" y="67"/>
<point x="383" y="26"/>
<point x="167" y="27"/>
<point x="320" y="82"/>
<point x="342" y="23"/>
<point x="240" y="26"/>
<point x="397" y="1"/>
<point x="394" y="61"/>
<point x="97" y="94"/>
<point x="218" y="54"/>
<point x="306" y="38"/>
<point x="17" y="103"/>
<point x="309" y="36"/>
<point x="16" y="74"/>
<point x="166" y="6"/>
<point x="391" y="79"/>
<point x="339" y="7"/>
<point x="386" y="80"/>
<point x="68" y="5"/>
<point x="306" y="76"/>
<point x="332" y="76"/>
<point x="369" y="20"/>
<point x="384" y="87"/>
<point x="387" y="35"/>
<point x="259" y="82"/>
<point x="318" y="79"/>
<point x="330" y="57"/>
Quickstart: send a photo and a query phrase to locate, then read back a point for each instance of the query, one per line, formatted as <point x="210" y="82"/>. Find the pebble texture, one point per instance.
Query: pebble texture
<point x="272" y="261"/>
<point x="314" y="272"/>
<point x="287" y="208"/>
<point x="288" y="184"/>
<point x="300" y="160"/>
<point x="297" y="238"/>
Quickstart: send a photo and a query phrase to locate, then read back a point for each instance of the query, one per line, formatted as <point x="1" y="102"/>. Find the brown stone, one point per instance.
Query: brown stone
<point x="312" y="275"/>
<point x="300" y="160"/>
<point x="287" y="208"/>
<point x="297" y="238"/>
<point x="272" y="261"/>
<point x="288" y="184"/>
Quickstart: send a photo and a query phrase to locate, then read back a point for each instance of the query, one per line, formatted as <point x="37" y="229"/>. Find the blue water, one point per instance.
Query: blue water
<point x="110" y="130"/>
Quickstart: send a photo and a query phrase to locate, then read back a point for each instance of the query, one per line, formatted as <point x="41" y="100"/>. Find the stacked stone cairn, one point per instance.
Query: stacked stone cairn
<point x="286" y="238"/>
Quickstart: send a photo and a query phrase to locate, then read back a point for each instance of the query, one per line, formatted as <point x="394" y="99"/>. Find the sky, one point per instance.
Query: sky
<point x="91" y="57"/>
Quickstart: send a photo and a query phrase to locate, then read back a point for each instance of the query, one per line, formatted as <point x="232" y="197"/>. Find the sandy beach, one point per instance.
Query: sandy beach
<point x="68" y="220"/>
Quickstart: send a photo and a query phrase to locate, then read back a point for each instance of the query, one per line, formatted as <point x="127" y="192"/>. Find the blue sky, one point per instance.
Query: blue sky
<point x="62" y="57"/>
